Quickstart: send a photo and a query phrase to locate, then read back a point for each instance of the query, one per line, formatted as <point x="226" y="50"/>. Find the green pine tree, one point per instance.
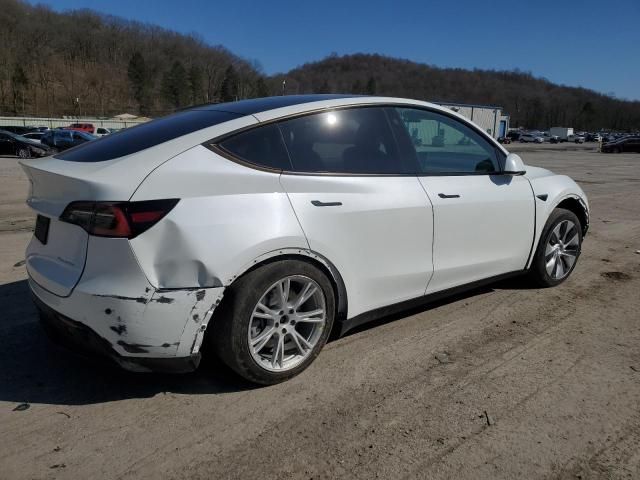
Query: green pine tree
<point x="175" y="85"/>
<point x="140" y="80"/>
<point x="229" y="87"/>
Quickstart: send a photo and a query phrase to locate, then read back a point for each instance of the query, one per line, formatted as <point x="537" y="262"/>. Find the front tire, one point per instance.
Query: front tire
<point x="274" y="321"/>
<point x="23" y="153"/>
<point x="558" y="249"/>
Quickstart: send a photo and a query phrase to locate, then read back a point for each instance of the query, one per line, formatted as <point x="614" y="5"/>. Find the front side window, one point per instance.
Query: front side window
<point x="444" y="145"/>
<point x="354" y="141"/>
<point x="261" y="146"/>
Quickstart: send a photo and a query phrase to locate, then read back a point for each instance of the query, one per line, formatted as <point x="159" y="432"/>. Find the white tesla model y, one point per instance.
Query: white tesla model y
<point x="260" y="226"/>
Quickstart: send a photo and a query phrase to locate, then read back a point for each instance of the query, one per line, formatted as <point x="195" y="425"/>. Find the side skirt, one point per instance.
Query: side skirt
<point x="350" y="323"/>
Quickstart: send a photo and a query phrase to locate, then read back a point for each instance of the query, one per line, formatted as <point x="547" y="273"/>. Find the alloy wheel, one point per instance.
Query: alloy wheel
<point x="562" y="249"/>
<point x="287" y="323"/>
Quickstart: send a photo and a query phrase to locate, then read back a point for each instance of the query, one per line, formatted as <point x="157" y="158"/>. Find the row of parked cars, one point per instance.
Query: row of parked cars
<point x="612" y="142"/>
<point x="622" y="144"/>
<point x="537" y="136"/>
<point x="27" y="142"/>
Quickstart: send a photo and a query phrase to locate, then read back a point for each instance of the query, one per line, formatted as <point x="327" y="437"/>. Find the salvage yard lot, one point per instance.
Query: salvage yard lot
<point x="501" y="382"/>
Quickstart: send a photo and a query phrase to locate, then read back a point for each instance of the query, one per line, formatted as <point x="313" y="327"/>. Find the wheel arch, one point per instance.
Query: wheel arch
<point x="575" y="205"/>
<point x="312" y="258"/>
<point x="556" y="191"/>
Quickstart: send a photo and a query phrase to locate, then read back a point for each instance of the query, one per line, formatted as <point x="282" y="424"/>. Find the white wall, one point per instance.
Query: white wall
<point x="63" y="122"/>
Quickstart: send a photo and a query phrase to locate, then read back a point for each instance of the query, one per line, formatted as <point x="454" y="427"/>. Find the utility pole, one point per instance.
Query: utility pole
<point x="284" y="85"/>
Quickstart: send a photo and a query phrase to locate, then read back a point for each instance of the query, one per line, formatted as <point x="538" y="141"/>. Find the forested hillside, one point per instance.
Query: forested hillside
<point x="83" y="63"/>
<point x="532" y="102"/>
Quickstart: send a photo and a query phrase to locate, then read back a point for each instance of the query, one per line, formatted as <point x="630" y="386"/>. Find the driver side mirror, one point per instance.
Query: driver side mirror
<point x="513" y="165"/>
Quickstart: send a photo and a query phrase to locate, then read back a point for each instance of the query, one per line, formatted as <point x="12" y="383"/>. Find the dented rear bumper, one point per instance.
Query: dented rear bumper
<point x="153" y="330"/>
<point x="80" y="339"/>
<point x="135" y="323"/>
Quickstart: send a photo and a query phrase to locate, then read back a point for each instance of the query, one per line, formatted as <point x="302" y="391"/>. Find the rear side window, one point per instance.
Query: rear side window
<point x="146" y="135"/>
<point x="262" y="146"/>
<point x="356" y="141"/>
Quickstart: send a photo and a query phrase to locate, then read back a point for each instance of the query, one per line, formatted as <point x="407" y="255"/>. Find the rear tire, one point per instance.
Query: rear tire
<point x="262" y="332"/>
<point x="558" y="249"/>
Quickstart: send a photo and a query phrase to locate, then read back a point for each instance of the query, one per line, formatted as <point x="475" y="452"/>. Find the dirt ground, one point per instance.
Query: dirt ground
<point x="502" y="382"/>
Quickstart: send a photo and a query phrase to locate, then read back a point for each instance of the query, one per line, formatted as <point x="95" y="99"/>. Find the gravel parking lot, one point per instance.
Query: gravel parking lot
<point x="501" y="382"/>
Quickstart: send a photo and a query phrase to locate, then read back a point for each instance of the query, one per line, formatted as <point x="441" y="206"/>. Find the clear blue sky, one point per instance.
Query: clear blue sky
<point x="594" y="44"/>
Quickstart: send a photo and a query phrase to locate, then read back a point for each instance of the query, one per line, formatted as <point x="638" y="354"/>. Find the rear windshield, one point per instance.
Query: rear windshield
<point x="140" y="137"/>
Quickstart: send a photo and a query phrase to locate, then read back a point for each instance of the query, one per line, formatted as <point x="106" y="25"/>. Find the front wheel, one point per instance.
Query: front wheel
<point x="23" y="153"/>
<point x="558" y="249"/>
<point x="274" y="321"/>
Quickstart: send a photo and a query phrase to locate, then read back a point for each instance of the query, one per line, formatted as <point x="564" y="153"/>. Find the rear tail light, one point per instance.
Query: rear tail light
<point x="117" y="219"/>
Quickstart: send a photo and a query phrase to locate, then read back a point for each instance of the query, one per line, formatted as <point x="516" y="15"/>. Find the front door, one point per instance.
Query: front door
<point x="483" y="220"/>
<point x="6" y="145"/>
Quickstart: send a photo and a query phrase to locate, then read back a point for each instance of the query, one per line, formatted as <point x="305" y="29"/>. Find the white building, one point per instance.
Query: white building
<point x="489" y="118"/>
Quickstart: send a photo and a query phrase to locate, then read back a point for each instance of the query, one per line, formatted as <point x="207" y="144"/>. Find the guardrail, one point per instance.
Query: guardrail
<point x="64" y="122"/>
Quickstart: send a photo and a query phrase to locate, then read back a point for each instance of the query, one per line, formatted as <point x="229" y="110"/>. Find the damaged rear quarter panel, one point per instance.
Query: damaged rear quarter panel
<point x="115" y="299"/>
<point x="227" y="216"/>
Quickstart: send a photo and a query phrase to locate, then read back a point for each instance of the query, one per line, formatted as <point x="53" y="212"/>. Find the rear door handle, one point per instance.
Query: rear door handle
<point x="318" y="203"/>
<point x="444" y="195"/>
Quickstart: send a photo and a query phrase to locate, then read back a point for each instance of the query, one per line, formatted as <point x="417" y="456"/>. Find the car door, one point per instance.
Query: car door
<point x="6" y="144"/>
<point x="483" y="220"/>
<point x="632" y="145"/>
<point x="358" y="204"/>
<point x="62" y="139"/>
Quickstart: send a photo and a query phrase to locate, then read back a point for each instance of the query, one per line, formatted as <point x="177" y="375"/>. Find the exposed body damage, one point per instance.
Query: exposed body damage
<point x="134" y="319"/>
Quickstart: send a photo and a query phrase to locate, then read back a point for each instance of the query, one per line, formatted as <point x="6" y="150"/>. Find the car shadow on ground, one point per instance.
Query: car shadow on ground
<point x="34" y="370"/>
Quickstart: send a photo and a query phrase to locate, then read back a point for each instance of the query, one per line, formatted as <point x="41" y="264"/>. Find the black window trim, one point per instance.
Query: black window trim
<point x="214" y="144"/>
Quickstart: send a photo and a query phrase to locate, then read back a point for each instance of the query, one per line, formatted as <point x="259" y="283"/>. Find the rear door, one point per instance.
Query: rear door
<point x="360" y="205"/>
<point x="483" y="220"/>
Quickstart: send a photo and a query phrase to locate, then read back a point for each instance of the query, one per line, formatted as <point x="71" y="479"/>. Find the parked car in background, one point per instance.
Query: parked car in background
<point x="64" y="139"/>
<point x="259" y="226"/>
<point x="18" y="130"/>
<point x="531" y="138"/>
<point x="593" y="137"/>
<point x="575" y="138"/>
<point x="623" y="145"/>
<point x="12" y="144"/>
<point x="82" y="127"/>
<point x="554" y="139"/>
<point x="514" y="135"/>
<point x="102" y="131"/>
<point x="35" y="136"/>
<point x="504" y="140"/>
